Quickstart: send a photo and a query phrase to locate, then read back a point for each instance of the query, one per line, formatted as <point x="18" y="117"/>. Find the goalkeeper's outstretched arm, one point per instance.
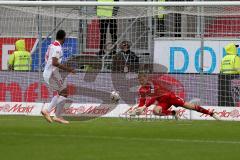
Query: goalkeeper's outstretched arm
<point x="140" y="107"/>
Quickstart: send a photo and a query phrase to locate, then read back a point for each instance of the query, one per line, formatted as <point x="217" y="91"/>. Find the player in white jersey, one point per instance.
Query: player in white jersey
<point x="54" y="79"/>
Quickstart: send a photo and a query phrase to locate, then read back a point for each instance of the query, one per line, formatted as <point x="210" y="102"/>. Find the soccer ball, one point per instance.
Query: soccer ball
<point x="115" y="96"/>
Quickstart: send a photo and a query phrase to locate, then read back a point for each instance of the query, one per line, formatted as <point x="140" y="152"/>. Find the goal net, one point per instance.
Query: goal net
<point x="179" y="43"/>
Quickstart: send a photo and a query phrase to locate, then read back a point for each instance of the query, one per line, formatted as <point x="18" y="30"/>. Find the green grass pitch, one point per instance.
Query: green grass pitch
<point x="32" y="138"/>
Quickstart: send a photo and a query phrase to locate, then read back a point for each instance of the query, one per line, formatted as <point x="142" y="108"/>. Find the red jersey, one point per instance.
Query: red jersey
<point x="149" y="93"/>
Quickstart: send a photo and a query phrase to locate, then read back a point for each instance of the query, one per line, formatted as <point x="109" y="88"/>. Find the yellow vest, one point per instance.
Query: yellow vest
<point x="21" y="59"/>
<point x="161" y="9"/>
<point x="230" y="64"/>
<point x="105" y="11"/>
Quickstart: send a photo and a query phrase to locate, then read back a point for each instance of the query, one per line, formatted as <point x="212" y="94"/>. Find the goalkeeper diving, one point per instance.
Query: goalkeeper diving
<point x="153" y="92"/>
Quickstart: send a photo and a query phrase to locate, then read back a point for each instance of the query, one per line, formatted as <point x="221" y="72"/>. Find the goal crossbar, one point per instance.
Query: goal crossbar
<point x="126" y="3"/>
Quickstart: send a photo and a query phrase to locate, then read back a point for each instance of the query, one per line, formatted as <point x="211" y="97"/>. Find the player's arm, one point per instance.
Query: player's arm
<point x="141" y="101"/>
<point x="141" y="106"/>
<point x="150" y="101"/>
<point x="137" y="107"/>
<point x="61" y="66"/>
<point x="147" y="103"/>
<point x="55" y="57"/>
<point x="151" y="98"/>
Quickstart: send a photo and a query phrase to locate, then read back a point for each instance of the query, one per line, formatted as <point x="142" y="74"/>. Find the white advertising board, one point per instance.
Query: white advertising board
<point x="97" y="110"/>
<point x="184" y="56"/>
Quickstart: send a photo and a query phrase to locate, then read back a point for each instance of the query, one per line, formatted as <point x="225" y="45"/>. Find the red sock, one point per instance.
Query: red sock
<point x="202" y="110"/>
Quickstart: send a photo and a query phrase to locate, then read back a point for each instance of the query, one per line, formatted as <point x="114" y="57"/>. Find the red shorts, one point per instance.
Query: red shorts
<point x="169" y="99"/>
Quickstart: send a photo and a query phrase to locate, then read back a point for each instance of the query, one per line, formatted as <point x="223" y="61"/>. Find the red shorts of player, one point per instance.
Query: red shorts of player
<point x="169" y="99"/>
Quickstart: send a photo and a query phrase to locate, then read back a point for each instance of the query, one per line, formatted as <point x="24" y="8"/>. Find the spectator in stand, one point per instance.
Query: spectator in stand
<point x="231" y="62"/>
<point x="125" y="60"/>
<point x="21" y="59"/>
<point x="106" y="13"/>
<point x="160" y="22"/>
<point x="230" y="70"/>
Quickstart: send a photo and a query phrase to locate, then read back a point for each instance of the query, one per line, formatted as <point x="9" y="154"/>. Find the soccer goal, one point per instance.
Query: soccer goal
<point x="180" y="44"/>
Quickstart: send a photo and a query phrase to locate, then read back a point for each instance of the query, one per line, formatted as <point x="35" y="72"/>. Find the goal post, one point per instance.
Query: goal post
<point x="178" y="43"/>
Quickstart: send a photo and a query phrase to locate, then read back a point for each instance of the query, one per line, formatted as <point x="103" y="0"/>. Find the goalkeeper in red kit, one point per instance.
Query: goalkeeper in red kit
<point x="153" y="92"/>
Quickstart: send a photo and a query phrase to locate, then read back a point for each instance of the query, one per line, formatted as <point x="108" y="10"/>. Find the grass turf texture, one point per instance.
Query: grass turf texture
<point x="32" y="138"/>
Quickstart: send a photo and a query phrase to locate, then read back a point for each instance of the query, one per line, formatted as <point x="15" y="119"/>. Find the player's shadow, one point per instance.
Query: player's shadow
<point x="125" y="83"/>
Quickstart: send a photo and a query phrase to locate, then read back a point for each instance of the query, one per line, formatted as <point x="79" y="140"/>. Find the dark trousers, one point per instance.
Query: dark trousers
<point x="225" y="93"/>
<point x="104" y="23"/>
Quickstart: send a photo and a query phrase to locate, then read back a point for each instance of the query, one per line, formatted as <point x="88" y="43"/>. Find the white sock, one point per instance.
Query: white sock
<point x="60" y="104"/>
<point x="52" y="104"/>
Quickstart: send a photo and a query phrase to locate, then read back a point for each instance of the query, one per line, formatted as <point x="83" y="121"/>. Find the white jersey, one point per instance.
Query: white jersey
<point x="54" y="50"/>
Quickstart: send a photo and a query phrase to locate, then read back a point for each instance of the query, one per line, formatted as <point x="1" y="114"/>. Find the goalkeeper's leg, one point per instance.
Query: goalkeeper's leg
<point x="163" y="111"/>
<point x="200" y="109"/>
<point x="178" y="101"/>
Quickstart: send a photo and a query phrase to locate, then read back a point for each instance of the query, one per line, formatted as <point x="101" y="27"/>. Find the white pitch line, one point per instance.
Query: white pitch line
<point x="126" y="138"/>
